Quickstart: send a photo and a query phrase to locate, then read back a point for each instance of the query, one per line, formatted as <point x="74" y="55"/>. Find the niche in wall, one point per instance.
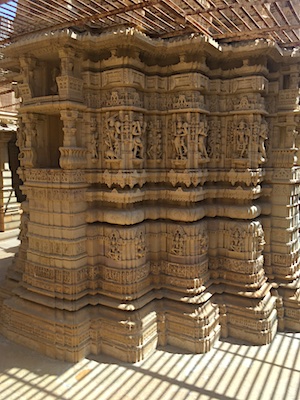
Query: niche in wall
<point x="50" y="138"/>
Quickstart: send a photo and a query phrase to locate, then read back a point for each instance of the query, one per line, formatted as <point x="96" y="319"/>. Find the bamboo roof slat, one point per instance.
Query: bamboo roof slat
<point x="221" y="20"/>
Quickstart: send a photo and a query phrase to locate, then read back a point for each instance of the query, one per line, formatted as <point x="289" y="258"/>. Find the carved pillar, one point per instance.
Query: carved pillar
<point x="25" y="88"/>
<point x="236" y="251"/>
<point x="69" y="82"/>
<point x="27" y="140"/>
<point x="72" y="156"/>
<point x="285" y="180"/>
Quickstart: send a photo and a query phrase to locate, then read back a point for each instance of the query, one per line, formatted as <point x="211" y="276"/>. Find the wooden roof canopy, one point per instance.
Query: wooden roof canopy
<point x="223" y="20"/>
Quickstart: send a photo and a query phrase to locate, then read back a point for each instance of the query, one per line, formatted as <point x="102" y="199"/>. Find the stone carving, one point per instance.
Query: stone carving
<point x="140" y="245"/>
<point x="180" y="140"/>
<point x="242" y="137"/>
<point x="113" y="137"/>
<point x="178" y="242"/>
<point x="53" y="85"/>
<point x="237" y="239"/>
<point x="263" y="136"/>
<point x="214" y="140"/>
<point x="260" y="238"/>
<point x="154" y="140"/>
<point x="163" y="189"/>
<point x="138" y="128"/>
<point x="122" y="97"/>
<point x="203" y="242"/>
<point x="94" y="140"/>
<point x="21" y="138"/>
<point x="115" y="247"/>
<point x="27" y="141"/>
<point x="24" y="228"/>
<point x="202" y="136"/>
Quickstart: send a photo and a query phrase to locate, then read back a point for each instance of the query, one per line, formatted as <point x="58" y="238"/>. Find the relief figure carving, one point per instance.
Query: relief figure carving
<point x="113" y="137"/>
<point x="178" y="243"/>
<point x="94" y="138"/>
<point x="202" y="135"/>
<point x="137" y="143"/>
<point x="263" y="136"/>
<point x="242" y="133"/>
<point x="115" y="250"/>
<point x="180" y="140"/>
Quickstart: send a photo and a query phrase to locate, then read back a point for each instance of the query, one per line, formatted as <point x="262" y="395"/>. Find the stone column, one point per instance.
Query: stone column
<point x="285" y="180"/>
<point x="72" y="156"/>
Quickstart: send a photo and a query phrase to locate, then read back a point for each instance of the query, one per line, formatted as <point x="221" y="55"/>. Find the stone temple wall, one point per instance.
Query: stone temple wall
<point x="162" y="186"/>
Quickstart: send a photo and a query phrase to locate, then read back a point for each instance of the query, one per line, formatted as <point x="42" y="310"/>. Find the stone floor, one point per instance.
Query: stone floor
<point x="230" y="371"/>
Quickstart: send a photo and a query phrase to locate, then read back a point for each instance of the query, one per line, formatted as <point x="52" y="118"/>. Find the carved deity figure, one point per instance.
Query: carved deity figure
<point x="113" y="137"/>
<point x="151" y="145"/>
<point x="202" y="135"/>
<point x="263" y="136"/>
<point x="114" y="251"/>
<point x="94" y="146"/>
<point x="114" y="97"/>
<point x="237" y="239"/>
<point x="203" y="242"/>
<point x="94" y="140"/>
<point x="260" y="239"/>
<point x="154" y="143"/>
<point x="140" y="245"/>
<point x="214" y="140"/>
<point x="180" y="140"/>
<point x="21" y="135"/>
<point x="295" y="134"/>
<point x="23" y="227"/>
<point x="137" y="143"/>
<point x="158" y="146"/>
<point x="242" y="139"/>
<point x="178" y="243"/>
<point x="53" y="85"/>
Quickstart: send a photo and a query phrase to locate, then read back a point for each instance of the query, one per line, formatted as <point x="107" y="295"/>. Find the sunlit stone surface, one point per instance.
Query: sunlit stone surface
<point x="162" y="186"/>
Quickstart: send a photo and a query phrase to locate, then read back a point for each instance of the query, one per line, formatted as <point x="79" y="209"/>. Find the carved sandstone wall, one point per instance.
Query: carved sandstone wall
<point x="162" y="187"/>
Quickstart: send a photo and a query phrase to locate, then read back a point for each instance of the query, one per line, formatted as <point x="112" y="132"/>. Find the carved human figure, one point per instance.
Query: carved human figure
<point x="127" y="127"/>
<point x="242" y="139"/>
<point x="140" y="245"/>
<point x="94" y="146"/>
<point x="94" y="140"/>
<point x="237" y="239"/>
<point x="203" y="242"/>
<point x="214" y="140"/>
<point x="53" y="86"/>
<point x="295" y="134"/>
<point x="263" y="136"/>
<point x="158" y="146"/>
<point x="178" y="243"/>
<point x="260" y="239"/>
<point x="114" y="97"/>
<point x="113" y="136"/>
<point x="151" y="144"/>
<point x="202" y="135"/>
<point x="154" y="145"/>
<point x="137" y="143"/>
<point x="180" y="140"/>
<point x="23" y="227"/>
<point x="21" y="136"/>
<point x="114" y="251"/>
